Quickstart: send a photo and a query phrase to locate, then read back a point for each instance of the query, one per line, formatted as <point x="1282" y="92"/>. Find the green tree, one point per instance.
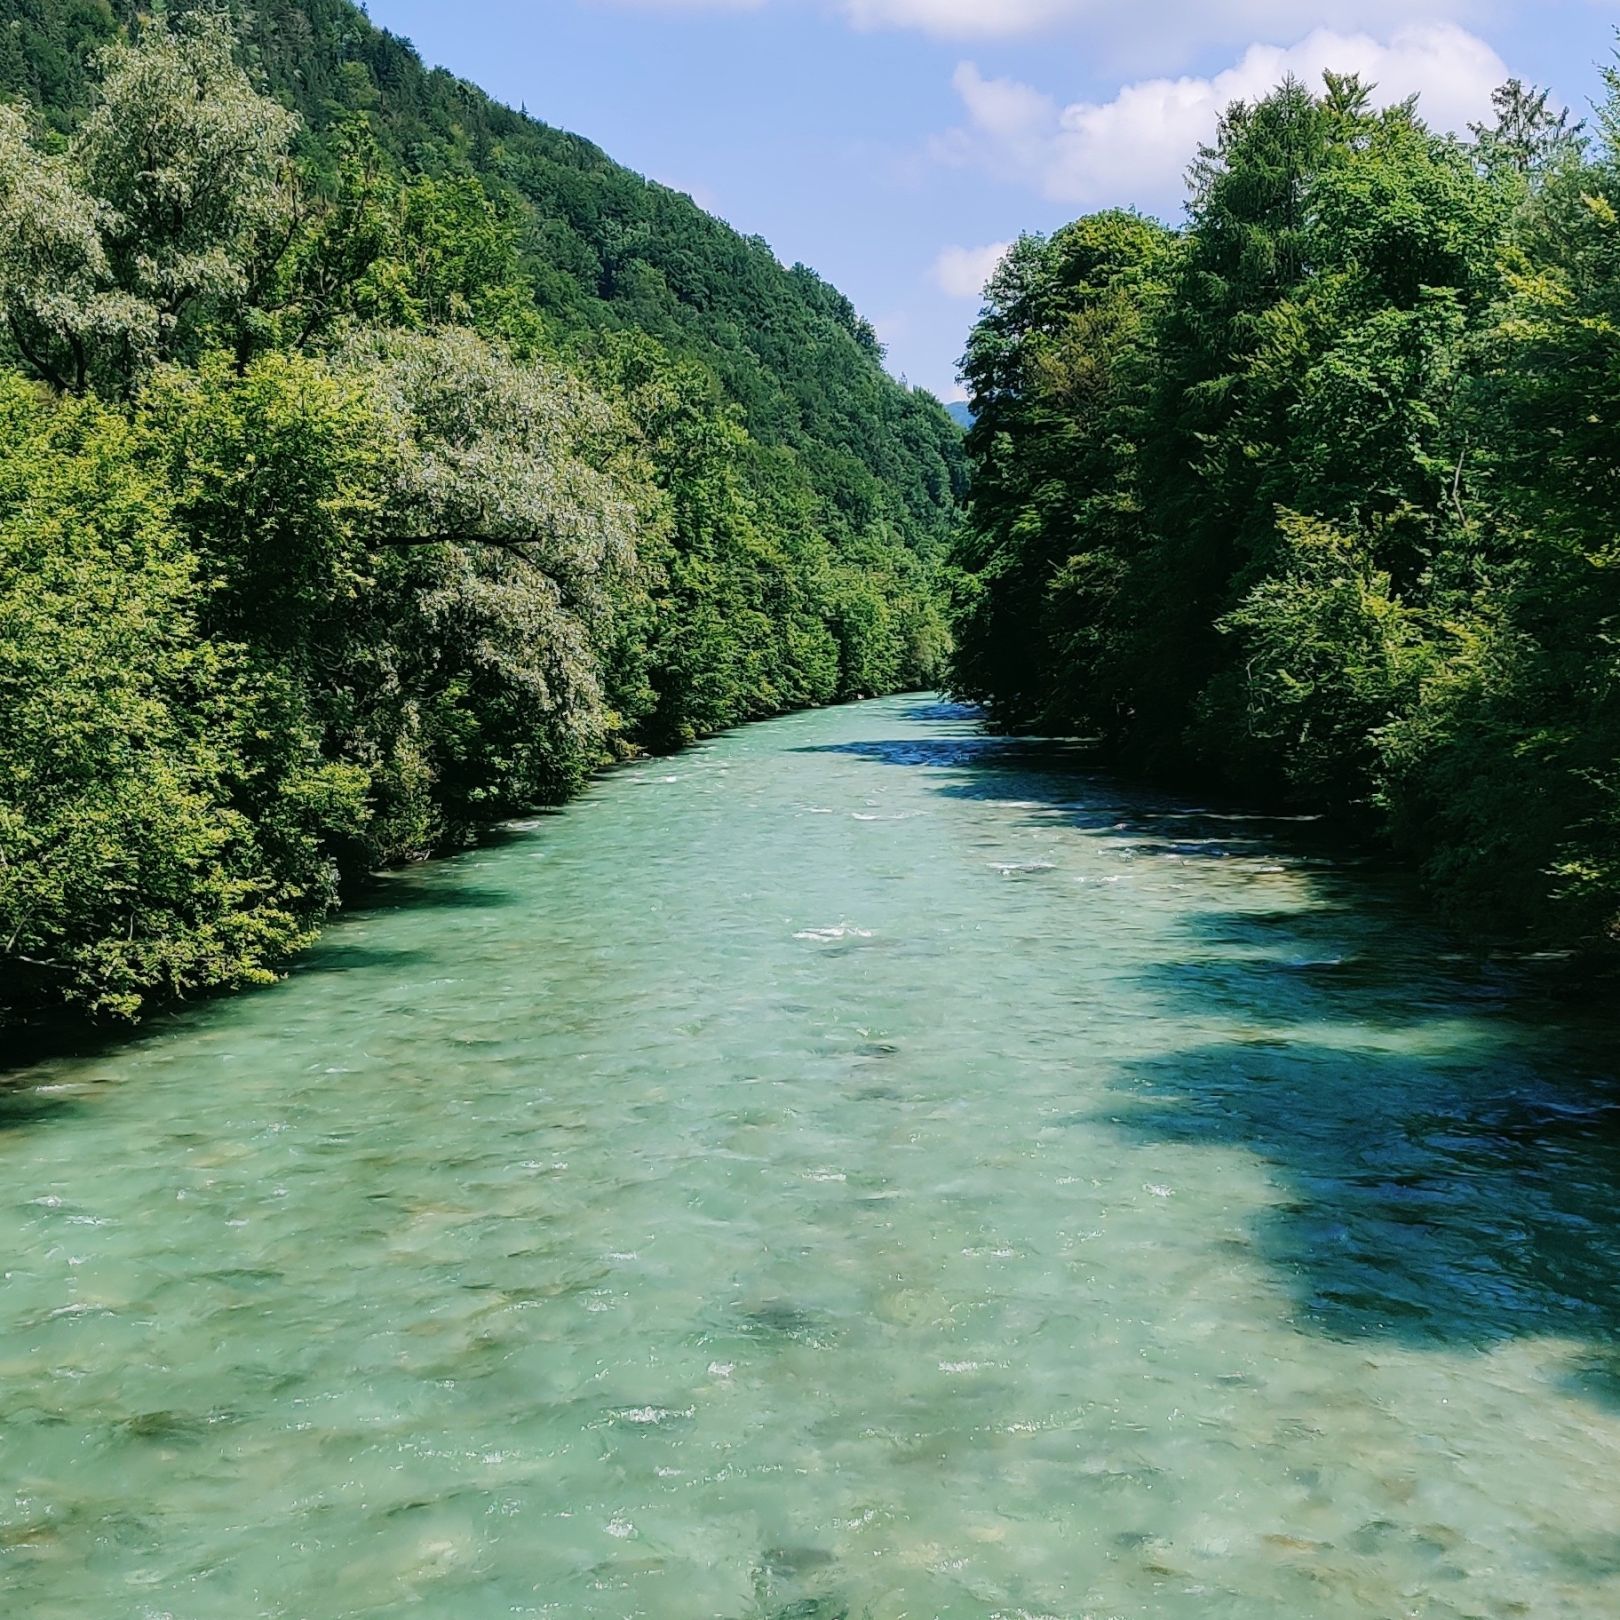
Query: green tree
<point x="162" y="812"/>
<point x="1056" y="371"/>
<point x="388" y="465"/>
<point x="1326" y="507"/>
<point x="136" y="246"/>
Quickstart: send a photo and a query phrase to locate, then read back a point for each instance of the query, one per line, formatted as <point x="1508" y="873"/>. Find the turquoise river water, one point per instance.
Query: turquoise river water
<point x="858" y="1170"/>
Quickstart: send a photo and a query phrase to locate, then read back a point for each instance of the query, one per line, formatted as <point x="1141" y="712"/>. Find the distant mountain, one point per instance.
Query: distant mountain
<point x="605" y="248"/>
<point x="961" y="413"/>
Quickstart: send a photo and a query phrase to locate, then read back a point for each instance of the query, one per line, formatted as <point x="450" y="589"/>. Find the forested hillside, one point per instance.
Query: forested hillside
<point x="601" y="248"/>
<point x="1317" y="497"/>
<point x="376" y="462"/>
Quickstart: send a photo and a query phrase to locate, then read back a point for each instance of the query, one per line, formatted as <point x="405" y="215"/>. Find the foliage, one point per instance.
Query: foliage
<point x="602" y="250"/>
<point x="1328" y="658"/>
<point x="345" y="505"/>
<point x="162" y="810"/>
<point x="1319" y="497"/>
<point x="1055" y="369"/>
<point x="135" y="246"/>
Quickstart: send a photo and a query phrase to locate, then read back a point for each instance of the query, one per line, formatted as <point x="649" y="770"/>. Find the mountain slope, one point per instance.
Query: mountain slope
<point x="604" y="248"/>
<point x="374" y="474"/>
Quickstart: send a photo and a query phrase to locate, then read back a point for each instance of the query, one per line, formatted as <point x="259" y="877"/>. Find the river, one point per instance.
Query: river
<point x="857" y="1170"/>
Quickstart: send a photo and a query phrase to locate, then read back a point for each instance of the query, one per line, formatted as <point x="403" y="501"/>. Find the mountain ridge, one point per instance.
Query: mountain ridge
<point x="606" y="249"/>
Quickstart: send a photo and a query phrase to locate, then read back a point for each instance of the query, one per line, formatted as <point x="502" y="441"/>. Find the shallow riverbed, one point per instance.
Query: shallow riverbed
<point x="856" y="1169"/>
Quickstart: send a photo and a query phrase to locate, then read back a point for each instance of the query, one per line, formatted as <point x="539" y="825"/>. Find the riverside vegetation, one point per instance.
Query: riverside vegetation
<point x="1318" y="495"/>
<point x="868" y="1167"/>
<point x="639" y="1218"/>
<point x="376" y="462"/>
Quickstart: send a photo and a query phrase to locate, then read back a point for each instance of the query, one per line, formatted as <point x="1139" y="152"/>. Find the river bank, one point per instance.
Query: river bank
<point x="860" y="1167"/>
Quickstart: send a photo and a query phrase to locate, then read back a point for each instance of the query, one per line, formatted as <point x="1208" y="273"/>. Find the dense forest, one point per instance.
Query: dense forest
<point x="1317" y="497"/>
<point x="376" y="462"/>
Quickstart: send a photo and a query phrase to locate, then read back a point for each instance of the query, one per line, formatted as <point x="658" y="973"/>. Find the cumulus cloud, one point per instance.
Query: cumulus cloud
<point x="675" y="7"/>
<point x="1161" y="20"/>
<point x="961" y="272"/>
<point x="1181" y="23"/>
<point x="1136" y="147"/>
<point x="963" y="19"/>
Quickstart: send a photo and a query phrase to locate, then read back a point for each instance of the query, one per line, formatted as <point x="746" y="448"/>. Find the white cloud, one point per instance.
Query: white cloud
<point x="963" y="19"/>
<point x="685" y="5"/>
<point x="961" y="272"/>
<point x="1170" y="26"/>
<point x="1164" y="21"/>
<point x="1136" y="147"/>
<point x="1003" y="108"/>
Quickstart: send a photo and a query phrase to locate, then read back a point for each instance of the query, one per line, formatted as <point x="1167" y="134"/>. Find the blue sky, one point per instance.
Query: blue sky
<point x="893" y="144"/>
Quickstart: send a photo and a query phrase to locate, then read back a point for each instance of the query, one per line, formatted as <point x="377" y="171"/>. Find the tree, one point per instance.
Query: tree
<point x="512" y="492"/>
<point x="1327" y="657"/>
<point x="321" y="545"/>
<point x="1055" y="367"/>
<point x="163" y="814"/>
<point x="1330" y="516"/>
<point x="1528" y="139"/>
<point x="135" y="247"/>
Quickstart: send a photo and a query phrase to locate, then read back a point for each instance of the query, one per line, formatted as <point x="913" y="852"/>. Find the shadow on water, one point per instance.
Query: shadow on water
<point x="965" y="752"/>
<point x="1063" y="773"/>
<point x="1596" y="1377"/>
<point x="28" y="1054"/>
<point x="337" y="956"/>
<point x="444" y="896"/>
<point x="933" y="711"/>
<point x="1442" y="1128"/>
<point x="1443" y="1131"/>
<point x="1059" y="783"/>
<point x="22" y="1106"/>
<point x="1466" y="1198"/>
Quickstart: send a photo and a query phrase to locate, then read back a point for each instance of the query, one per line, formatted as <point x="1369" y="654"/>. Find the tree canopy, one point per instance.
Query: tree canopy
<point x="1315" y="496"/>
<point x="377" y="463"/>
